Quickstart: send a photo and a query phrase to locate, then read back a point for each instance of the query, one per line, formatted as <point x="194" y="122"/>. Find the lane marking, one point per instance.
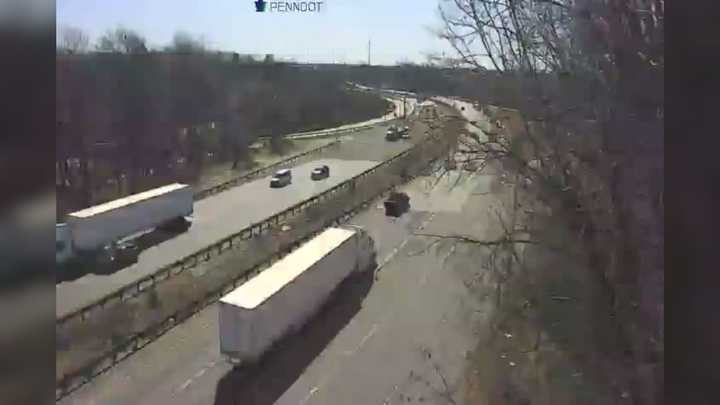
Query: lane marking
<point x="398" y="248"/>
<point x="362" y="341"/>
<point x="424" y="277"/>
<point x="375" y="326"/>
<point x="185" y="385"/>
<point x="367" y="337"/>
<point x="197" y="375"/>
<point x="313" y="390"/>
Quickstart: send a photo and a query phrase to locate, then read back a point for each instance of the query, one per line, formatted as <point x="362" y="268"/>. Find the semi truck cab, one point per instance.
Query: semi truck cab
<point x="63" y="243"/>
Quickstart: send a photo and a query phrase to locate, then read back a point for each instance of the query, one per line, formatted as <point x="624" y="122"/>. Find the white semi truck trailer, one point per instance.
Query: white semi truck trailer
<point x="282" y="298"/>
<point x="89" y="232"/>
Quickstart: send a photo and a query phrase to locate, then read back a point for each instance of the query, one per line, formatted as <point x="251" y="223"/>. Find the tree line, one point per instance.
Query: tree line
<point x="133" y="117"/>
<point x="566" y="64"/>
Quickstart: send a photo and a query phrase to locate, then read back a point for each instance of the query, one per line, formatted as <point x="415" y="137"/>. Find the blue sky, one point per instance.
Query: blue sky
<point x="398" y="28"/>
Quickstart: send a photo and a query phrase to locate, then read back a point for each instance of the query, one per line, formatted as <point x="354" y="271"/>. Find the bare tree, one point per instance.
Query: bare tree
<point x="184" y="42"/>
<point x="73" y="40"/>
<point x="122" y="40"/>
<point x="569" y="62"/>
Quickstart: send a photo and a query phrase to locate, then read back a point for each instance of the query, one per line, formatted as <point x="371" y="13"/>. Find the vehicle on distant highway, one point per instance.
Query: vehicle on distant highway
<point x="282" y="298"/>
<point x="392" y="133"/>
<point x="98" y="234"/>
<point x="281" y="178"/>
<point x="320" y="173"/>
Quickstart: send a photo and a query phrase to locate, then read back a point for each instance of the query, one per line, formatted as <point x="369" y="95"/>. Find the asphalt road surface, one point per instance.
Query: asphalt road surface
<point x="228" y="212"/>
<point x="403" y="337"/>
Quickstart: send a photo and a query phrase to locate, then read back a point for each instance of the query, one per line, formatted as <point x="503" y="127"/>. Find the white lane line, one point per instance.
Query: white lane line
<point x="375" y="326"/>
<point x="313" y="390"/>
<point x="185" y="385"/>
<point x="363" y="340"/>
<point x="368" y="336"/>
<point x="397" y="249"/>
<point x="424" y="277"/>
<point x="200" y="373"/>
<point x="310" y="394"/>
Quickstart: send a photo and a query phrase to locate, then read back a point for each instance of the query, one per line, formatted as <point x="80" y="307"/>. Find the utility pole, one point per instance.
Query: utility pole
<point x="368" y="51"/>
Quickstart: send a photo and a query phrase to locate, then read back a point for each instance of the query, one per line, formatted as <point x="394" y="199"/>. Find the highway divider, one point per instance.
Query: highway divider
<point x="101" y="319"/>
<point x="350" y="128"/>
<point x="261" y="172"/>
<point x="203" y="255"/>
<point x="265" y="170"/>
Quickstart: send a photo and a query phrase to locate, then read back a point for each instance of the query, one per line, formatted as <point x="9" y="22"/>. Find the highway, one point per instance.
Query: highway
<point x="403" y="337"/>
<point x="228" y="212"/>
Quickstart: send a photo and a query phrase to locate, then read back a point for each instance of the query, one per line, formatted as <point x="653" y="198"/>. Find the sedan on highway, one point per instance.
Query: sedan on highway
<point x="392" y="133"/>
<point x="281" y="178"/>
<point x="320" y="173"/>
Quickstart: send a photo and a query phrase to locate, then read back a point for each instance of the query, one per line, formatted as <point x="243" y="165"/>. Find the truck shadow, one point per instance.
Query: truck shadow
<point x="143" y="242"/>
<point x="263" y="383"/>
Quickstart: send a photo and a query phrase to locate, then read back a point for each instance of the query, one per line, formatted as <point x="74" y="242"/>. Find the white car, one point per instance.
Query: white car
<point x="281" y="178"/>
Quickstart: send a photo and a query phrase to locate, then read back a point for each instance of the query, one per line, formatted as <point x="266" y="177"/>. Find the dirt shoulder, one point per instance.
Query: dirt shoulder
<point x="550" y="329"/>
<point x="552" y="336"/>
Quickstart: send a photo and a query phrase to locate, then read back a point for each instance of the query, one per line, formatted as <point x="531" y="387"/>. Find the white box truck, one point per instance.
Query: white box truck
<point x="90" y="231"/>
<point x="282" y="298"/>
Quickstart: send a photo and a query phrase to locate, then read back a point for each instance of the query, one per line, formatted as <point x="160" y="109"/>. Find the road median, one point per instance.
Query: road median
<point x="104" y="335"/>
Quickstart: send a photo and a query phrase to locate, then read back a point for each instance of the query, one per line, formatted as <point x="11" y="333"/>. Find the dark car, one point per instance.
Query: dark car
<point x="392" y="134"/>
<point x="397" y="204"/>
<point x="320" y="173"/>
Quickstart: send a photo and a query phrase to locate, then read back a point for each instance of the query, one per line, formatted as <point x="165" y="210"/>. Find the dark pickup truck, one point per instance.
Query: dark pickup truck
<point x="397" y="204"/>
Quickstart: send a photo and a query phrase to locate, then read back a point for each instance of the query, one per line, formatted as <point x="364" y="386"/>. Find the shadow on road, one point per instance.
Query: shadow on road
<point x="76" y="270"/>
<point x="264" y="382"/>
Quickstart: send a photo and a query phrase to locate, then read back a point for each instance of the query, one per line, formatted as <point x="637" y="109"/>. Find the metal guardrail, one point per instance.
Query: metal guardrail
<point x="335" y="131"/>
<point x="203" y="255"/>
<point x="259" y="172"/>
<point x="332" y="132"/>
<point x="190" y="261"/>
<point x="70" y="382"/>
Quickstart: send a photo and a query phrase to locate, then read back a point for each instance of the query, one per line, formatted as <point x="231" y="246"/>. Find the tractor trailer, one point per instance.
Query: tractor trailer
<point x="93" y="233"/>
<point x="282" y="298"/>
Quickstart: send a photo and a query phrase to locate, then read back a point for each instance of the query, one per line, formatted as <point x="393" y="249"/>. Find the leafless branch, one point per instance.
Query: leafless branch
<point x="468" y="239"/>
<point x="555" y="3"/>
